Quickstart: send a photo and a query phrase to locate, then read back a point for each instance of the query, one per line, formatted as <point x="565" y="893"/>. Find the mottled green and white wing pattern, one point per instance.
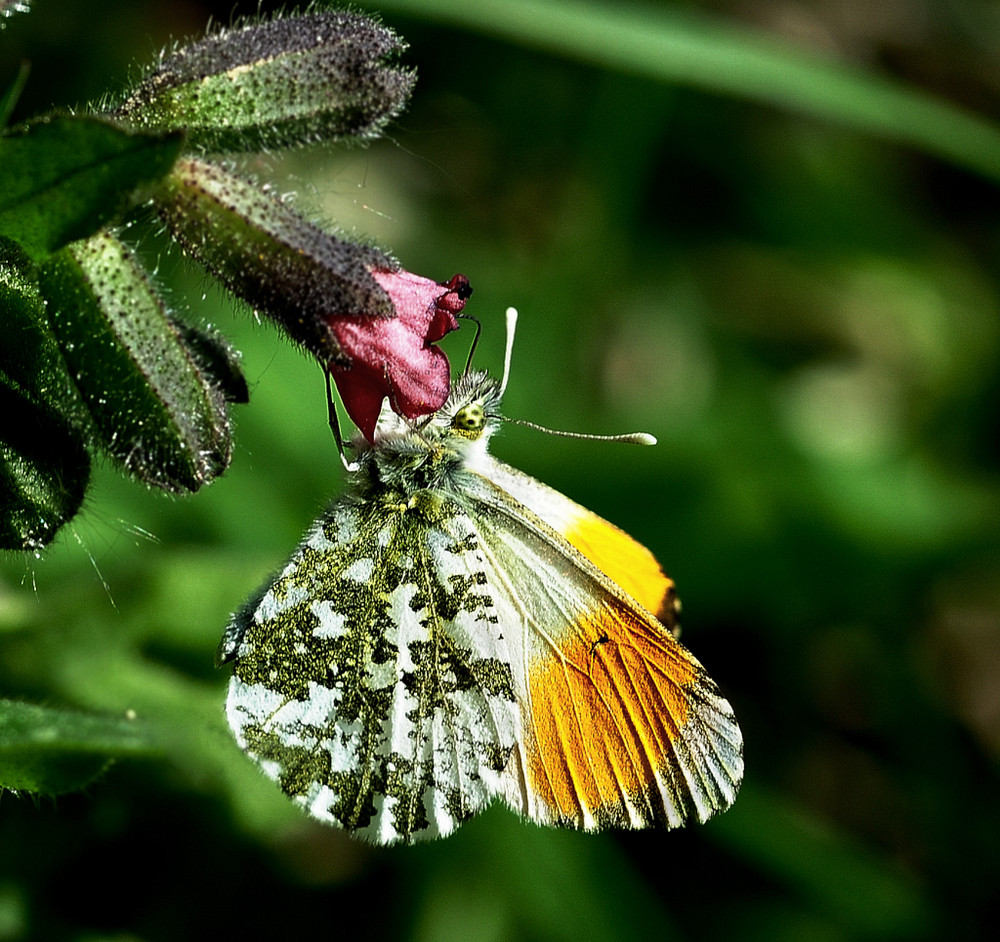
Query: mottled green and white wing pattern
<point x="372" y="679"/>
<point x="415" y="661"/>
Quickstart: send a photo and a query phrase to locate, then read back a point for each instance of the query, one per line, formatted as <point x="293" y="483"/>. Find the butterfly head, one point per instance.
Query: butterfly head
<point x="430" y="453"/>
<point x="470" y="415"/>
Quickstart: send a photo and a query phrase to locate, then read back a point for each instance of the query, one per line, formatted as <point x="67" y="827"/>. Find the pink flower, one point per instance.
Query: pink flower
<point x="395" y="357"/>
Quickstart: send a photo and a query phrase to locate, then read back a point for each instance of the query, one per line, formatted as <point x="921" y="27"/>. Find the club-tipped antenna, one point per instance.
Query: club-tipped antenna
<point x="511" y="327"/>
<point x="627" y="438"/>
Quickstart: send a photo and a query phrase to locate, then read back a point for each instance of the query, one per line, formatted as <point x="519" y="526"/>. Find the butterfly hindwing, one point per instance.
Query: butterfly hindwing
<point x="370" y="678"/>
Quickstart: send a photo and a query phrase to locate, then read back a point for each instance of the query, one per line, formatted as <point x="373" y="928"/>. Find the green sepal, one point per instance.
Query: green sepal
<point x="44" y="471"/>
<point x="63" y="177"/>
<point x="30" y="359"/>
<point x="51" y="751"/>
<point x="44" y="465"/>
<point x="265" y="253"/>
<point x="218" y="359"/>
<point x="291" y="81"/>
<point x="154" y="408"/>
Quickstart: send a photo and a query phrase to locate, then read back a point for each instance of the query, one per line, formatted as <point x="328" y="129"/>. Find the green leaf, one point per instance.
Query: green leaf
<point x="156" y="408"/>
<point x="52" y="751"/>
<point x="62" y="178"/>
<point x="719" y="56"/>
<point x="44" y="471"/>
<point x="30" y="360"/>
<point x="44" y="465"/>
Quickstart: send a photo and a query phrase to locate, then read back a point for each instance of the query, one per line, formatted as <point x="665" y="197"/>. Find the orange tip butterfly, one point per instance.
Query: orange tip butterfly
<point x="452" y="632"/>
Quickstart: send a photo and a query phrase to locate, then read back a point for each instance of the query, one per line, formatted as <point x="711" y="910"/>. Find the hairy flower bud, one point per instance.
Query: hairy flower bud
<point x="371" y="323"/>
<point x="265" y="253"/>
<point x="280" y="83"/>
<point x="155" y="406"/>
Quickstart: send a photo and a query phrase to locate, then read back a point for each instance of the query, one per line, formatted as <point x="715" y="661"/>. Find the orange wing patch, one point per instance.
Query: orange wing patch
<point x="626" y="562"/>
<point x="603" y="721"/>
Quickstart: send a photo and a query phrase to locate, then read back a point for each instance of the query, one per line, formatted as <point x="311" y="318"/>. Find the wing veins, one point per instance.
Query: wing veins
<point x="528" y="623"/>
<point x="624" y="725"/>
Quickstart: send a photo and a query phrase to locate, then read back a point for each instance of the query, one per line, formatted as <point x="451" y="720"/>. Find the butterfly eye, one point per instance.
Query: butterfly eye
<point x="469" y="419"/>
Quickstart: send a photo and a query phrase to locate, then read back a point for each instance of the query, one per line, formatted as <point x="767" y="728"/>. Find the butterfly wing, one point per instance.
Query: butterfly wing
<point x="620" y="724"/>
<point x="372" y="679"/>
<point x="414" y="660"/>
<point x="621" y="558"/>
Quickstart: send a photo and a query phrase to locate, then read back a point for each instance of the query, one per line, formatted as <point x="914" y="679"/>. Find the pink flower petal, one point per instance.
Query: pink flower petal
<point x="395" y="357"/>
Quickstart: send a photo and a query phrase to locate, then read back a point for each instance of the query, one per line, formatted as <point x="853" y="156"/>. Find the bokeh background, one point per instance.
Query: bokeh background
<point x="804" y="313"/>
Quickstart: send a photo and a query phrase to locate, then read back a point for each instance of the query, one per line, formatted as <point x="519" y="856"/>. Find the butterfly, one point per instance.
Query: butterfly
<point x="452" y="632"/>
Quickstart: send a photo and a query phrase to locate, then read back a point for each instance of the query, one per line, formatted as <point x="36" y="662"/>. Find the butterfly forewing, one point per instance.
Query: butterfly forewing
<point x="371" y="678"/>
<point x="620" y="724"/>
<point x="621" y="558"/>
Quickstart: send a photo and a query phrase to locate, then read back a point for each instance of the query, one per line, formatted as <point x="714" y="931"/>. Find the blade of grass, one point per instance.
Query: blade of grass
<point x="727" y="58"/>
<point x="52" y="751"/>
<point x="9" y="98"/>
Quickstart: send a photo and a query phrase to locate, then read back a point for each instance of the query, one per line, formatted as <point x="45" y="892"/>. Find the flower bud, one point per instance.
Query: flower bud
<point x="265" y="253"/>
<point x="373" y="325"/>
<point x="154" y="406"/>
<point x="280" y="83"/>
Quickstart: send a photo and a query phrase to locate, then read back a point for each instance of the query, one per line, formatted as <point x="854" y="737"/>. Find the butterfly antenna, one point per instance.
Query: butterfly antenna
<point x="350" y="466"/>
<point x="628" y="438"/>
<point x="511" y="327"/>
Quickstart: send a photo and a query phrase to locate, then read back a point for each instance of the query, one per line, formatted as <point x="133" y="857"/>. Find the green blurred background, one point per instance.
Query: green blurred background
<point x="803" y="312"/>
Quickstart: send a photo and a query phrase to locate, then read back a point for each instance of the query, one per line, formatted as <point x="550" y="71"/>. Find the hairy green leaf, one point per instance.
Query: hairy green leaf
<point x="44" y="465"/>
<point x="156" y="409"/>
<point x="44" y="471"/>
<point x="62" y="178"/>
